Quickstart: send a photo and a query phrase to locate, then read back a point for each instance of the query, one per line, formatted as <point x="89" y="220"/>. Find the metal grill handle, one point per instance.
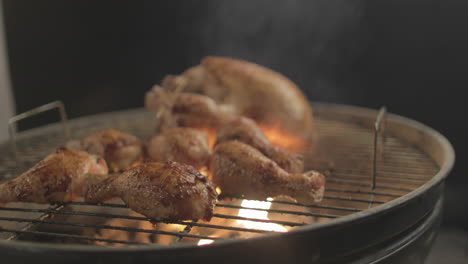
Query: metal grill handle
<point x="44" y="108"/>
<point x="379" y="127"/>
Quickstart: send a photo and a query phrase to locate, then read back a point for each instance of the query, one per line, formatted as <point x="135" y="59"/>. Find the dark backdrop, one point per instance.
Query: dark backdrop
<point x="409" y="55"/>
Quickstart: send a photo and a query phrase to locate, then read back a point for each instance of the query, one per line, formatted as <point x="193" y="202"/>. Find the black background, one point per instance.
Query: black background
<point x="100" y="56"/>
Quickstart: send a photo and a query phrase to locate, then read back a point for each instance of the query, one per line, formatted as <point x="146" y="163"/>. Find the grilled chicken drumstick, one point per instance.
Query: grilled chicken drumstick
<point x="120" y="150"/>
<point x="60" y="177"/>
<point x="181" y="144"/>
<point x="246" y="130"/>
<point x="239" y="169"/>
<point x="159" y="190"/>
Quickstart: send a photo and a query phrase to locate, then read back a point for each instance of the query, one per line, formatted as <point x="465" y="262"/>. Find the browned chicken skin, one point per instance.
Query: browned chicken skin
<point x="246" y="130"/>
<point x="159" y="190"/>
<point x="60" y="177"/>
<point x="186" y="110"/>
<point x="248" y="89"/>
<point x="241" y="170"/>
<point x="120" y="150"/>
<point x="181" y="144"/>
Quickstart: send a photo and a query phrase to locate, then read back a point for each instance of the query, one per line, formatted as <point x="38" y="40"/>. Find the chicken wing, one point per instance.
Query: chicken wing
<point x="187" y="109"/>
<point x="241" y="170"/>
<point x="60" y="177"/>
<point x="246" y="130"/>
<point x="181" y="144"/>
<point x="120" y="150"/>
<point x="159" y="190"/>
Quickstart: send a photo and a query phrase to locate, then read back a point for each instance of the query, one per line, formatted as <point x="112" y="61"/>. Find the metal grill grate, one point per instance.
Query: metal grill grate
<point x="344" y="153"/>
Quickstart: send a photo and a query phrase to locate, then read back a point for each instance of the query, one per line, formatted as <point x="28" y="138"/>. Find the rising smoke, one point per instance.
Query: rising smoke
<point x="312" y="42"/>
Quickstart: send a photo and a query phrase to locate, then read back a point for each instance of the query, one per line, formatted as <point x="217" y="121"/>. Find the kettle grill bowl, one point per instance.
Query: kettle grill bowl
<point x="369" y="234"/>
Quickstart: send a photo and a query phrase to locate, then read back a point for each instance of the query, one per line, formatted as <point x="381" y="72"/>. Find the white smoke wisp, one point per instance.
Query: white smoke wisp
<point x="309" y="41"/>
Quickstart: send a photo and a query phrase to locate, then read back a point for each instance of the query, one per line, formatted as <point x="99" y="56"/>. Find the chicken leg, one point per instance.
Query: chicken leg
<point x="120" y="150"/>
<point x="181" y="144"/>
<point x="241" y="170"/>
<point x="60" y="177"/>
<point x="246" y="130"/>
<point x="158" y="190"/>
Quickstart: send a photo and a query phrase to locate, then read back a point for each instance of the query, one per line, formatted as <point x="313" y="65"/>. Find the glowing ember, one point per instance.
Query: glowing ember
<point x="205" y="242"/>
<point x="256" y="214"/>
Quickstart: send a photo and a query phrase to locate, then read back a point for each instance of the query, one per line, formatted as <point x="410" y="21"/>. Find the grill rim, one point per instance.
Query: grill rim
<point x="444" y="168"/>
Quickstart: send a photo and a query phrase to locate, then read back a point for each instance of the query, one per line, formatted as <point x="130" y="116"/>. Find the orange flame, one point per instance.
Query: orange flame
<point x="211" y="133"/>
<point x="283" y="139"/>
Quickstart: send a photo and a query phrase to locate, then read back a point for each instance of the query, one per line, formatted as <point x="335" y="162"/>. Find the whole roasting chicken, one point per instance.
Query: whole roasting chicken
<point x="246" y="130"/>
<point x="120" y="150"/>
<point x="159" y="190"/>
<point x="248" y="89"/>
<point x="60" y="177"/>
<point x="241" y="170"/>
<point x="181" y="144"/>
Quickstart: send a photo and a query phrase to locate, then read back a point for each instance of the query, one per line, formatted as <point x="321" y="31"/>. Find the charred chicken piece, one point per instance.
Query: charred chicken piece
<point x="159" y="190"/>
<point x="250" y="90"/>
<point x="120" y="150"/>
<point x="60" y="177"/>
<point x="246" y="130"/>
<point x="241" y="170"/>
<point x="181" y="144"/>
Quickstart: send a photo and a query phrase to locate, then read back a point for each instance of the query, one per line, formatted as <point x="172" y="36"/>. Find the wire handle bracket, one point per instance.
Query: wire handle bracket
<point x="379" y="128"/>
<point x="12" y="129"/>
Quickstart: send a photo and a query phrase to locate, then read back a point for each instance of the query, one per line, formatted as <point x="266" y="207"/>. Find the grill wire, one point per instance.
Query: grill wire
<point x="344" y="153"/>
